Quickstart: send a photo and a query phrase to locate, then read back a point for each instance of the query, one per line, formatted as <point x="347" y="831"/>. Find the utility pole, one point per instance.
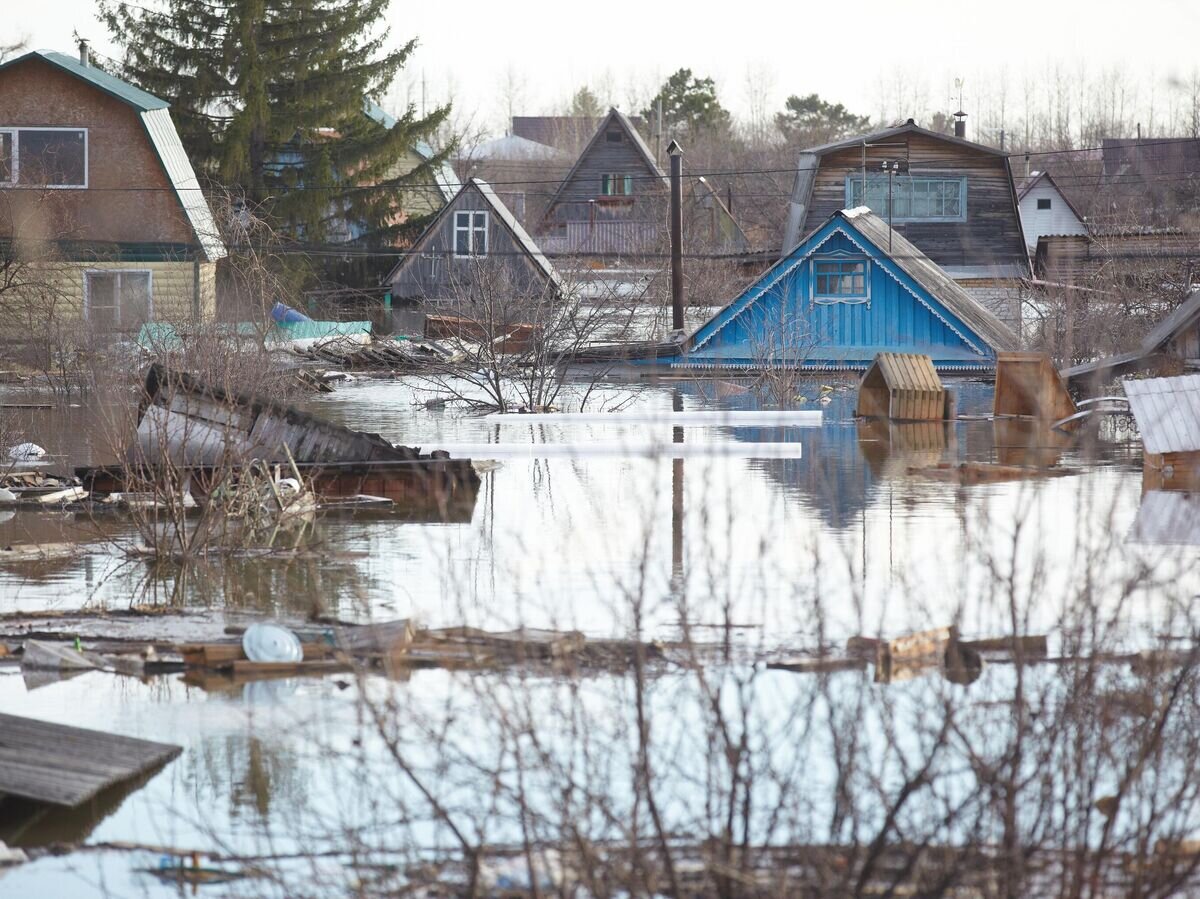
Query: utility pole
<point x="891" y="167"/>
<point x="676" y="153"/>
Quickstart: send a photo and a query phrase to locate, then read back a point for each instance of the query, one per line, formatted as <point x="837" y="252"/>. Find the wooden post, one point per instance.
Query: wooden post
<point x="676" y="154"/>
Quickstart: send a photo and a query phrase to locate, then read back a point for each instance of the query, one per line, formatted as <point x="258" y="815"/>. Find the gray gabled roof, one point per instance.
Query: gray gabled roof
<point x="614" y="115"/>
<point x="156" y="118"/>
<point x="929" y="275"/>
<point x="502" y="213"/>
<point x="909" y="127"/>
<point x="1183" y="317"/>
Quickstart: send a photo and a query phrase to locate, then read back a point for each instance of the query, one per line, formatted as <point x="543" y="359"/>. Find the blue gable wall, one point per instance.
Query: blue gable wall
<point x="775" y="321"/>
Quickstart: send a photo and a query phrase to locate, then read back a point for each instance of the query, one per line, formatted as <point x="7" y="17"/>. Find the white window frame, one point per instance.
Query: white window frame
<point x="15" y="131"/>
<point x="849" y="299"/>
<point x="472" y="225"/>
<point x="87" y="299"/>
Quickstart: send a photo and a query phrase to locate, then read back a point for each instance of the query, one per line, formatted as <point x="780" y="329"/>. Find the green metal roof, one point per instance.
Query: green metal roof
<point x="113" y="86"/>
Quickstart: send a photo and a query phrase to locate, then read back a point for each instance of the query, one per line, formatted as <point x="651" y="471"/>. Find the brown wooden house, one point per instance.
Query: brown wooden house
<point x="101" y="216"/>
<point x="474" y="250"/>
<point x="952" y="198"/>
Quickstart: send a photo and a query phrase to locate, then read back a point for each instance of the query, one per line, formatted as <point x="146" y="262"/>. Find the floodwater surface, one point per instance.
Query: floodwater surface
<point x="784" y="554"/>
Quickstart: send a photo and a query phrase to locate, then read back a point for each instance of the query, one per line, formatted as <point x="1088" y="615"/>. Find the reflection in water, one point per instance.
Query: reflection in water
<point x="1167" y="518"/>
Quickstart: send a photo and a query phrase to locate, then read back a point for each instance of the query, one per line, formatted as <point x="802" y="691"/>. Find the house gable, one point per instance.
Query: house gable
<point x="140" y="186"/>
<point x="979" y="238"/>
<point x="434" y="269"/>
<point x="788" y="316"/>
<point x="617" y="151"/>
<point x="1045" y="210"/>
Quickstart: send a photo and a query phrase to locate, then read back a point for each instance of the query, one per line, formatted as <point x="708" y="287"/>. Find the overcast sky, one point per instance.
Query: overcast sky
<point x="535" y="53"/>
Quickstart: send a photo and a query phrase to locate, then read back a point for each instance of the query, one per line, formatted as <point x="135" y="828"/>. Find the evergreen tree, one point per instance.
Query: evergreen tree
<point x="808" y="121"/>
<point x="586" y="104"/>
<point x="690" y="106"/>
<point x="271" y="97"/>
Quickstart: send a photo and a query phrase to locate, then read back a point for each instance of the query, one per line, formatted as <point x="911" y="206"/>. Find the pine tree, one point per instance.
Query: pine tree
<point x="271" y="97"/>
<point x="690" y="107"/>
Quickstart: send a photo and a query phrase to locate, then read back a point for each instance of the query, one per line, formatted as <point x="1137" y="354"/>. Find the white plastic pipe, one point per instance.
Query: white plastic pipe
<point x="656" y="449"/>
<point x="715" y="418"/>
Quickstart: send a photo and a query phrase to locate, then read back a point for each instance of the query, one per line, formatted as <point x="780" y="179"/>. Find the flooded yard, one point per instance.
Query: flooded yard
<point x="344" y="784"/>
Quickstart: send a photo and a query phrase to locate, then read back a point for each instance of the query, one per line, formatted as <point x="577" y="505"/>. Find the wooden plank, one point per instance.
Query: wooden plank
<point x="63" y="765"/>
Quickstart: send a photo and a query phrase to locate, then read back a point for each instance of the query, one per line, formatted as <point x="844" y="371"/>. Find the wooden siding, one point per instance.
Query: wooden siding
<point x="55" y="293"/>
<point x="991" y="234"/>
<point x="581" y="197"/>
<point x="783" y="324"/>
<point x="433" y="272"/>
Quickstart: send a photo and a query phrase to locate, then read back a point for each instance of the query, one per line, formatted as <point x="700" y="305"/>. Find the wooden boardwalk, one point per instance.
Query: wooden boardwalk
<point x="69" y="765"/>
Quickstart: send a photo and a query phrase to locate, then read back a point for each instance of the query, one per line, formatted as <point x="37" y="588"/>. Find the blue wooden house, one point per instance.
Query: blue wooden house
<point x="851" y="289"/>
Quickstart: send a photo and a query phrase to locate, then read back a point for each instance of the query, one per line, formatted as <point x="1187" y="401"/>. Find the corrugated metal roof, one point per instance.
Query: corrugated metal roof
<point x="165" y="139"/>
<point x="925" y="272"/>
<point x="1167" y="412"/>
<point x="111" y="85"/>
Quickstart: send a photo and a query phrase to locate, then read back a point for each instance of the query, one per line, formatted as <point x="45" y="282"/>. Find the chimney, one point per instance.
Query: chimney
<point x="83" y="52"/>
<point x="960" y="124"/>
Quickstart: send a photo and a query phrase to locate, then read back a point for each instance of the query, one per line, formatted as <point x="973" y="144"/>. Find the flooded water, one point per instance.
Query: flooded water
<point x="780" y="554"/>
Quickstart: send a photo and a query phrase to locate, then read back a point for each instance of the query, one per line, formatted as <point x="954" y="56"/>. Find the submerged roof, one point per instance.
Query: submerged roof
<point x="502" y="213"/>
<point x="156" y="118"/>
<point x="1167" y="412"/>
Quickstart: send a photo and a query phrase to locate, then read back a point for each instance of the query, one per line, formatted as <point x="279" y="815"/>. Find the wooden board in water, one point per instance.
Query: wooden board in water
<point x="63" y="765"/>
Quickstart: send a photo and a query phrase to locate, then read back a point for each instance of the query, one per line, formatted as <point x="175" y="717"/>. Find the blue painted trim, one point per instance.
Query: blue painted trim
<point x="801" y="254"/>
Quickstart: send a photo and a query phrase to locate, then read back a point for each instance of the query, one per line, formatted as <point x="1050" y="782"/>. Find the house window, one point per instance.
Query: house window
<point x="616" y="185"/>
<point x="918" y="198"/>
<point x="46" y="157"/>
<point x="118" y="300"/>
<point x="613" y="137"/>
<point x="470" y="233"/>
<point x="1044" y="203"/>
<point x="840" y="280"/>
<point x="6" y="157"/>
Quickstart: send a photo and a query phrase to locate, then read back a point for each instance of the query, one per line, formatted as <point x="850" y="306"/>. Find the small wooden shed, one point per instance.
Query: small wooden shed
<point x="1027" y="384"/>
<point x="902" y="387"/>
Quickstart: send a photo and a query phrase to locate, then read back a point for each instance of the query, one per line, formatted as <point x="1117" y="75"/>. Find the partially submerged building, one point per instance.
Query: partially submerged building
<point x="474" y="252"/>
<point x="101" y="215"/>
<point x="851" y="289"/>
<point x="950" y="197"/>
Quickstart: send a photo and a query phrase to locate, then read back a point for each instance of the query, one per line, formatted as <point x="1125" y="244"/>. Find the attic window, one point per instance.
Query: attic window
<point x="839" y="280"/>
<point x="616" y="185"/>
<point x="614" y="137"/>
<point x="46" y="157"/>
<point x="913" y="198"/>
<point x="470" y="233"/>
<point x="1044" y="203"/>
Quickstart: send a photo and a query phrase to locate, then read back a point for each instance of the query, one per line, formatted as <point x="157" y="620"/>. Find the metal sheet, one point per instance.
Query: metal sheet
<point x="1167" y="412"/>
